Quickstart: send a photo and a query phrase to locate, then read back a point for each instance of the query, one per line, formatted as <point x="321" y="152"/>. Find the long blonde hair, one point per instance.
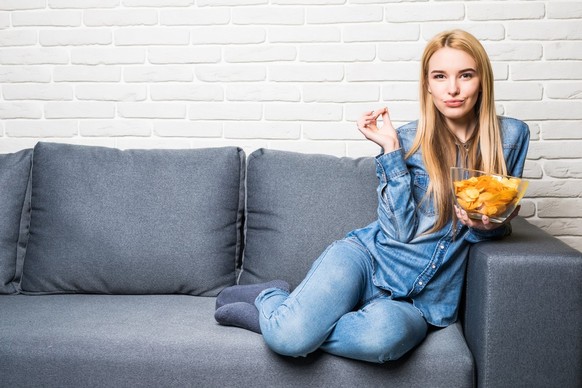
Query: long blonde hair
<point x="437" y="143"/>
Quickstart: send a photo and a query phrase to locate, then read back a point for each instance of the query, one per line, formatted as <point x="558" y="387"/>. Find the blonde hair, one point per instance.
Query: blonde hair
<point x="437" y="143"/>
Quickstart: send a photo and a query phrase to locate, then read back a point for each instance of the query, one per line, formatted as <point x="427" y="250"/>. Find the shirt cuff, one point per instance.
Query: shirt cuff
<point x="391" y="165"/>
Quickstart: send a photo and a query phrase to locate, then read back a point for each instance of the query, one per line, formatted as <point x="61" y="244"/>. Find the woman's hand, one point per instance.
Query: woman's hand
<point x="484" y="223"/>
<point x="384" y="136"/>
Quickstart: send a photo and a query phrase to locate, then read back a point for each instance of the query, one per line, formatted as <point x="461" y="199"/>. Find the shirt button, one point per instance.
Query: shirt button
<point x="433" y="266"/>
<point x="442" y="247"/>
<point x="420" y="283"/>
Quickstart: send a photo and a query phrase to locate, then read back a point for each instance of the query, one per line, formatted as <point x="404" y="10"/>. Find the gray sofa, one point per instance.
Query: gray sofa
<point x="110" y="261"/>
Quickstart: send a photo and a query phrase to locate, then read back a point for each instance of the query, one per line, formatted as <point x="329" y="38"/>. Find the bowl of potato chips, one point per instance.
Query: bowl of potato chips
<point x="480" y="193"/>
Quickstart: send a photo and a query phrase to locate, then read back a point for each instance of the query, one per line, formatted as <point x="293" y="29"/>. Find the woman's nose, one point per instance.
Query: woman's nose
<point x="453" y="87"/>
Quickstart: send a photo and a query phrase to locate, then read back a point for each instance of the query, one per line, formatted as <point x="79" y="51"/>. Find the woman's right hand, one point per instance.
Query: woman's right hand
<point x="384" y="136"/>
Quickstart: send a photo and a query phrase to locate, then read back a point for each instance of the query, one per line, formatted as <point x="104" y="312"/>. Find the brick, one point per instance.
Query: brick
<point x="158" y="73"/>
<point x="263" y="92"/>
<point x="518" y="91"/>
<point x="562" y="129"/>
<point x="71" y="110"/>
<point x="37" y="92"/>
<point x="195" y="17"/>
<point x="87" y="74"/>
<point x="559" y="226"/>
<point x="400" y="91"/>
<point x="381" y="33"/>
<point x="186" y="92"/>
<point x="533" y="170"/>
<point x="80" y="37"/>
<point x="564" y="90"/>
<point x="308" y="2"/>
<point x="341" y="93"/>
<point x="563" y="50"/>
<point x="303" y="112"/>
<point x="555" y="150"/>
<point x="127" y="142"/>
<point x="397" y="71"/>
<point x="120" y="17"/>
<point x="520" y="51"/>
<point x="534" y="130"/>
<point x="487" y="11"/>
<point x="564" y="10"/>
<point x="483" y="31"/>
<point x="561" y="169"/>
<point x="34" y="56"/>
<point x="42" y="128"/>
<point x="554" y="70"/>
<point x="230" y="3"/>
<point x="20" y="110"/>
<point x="268" y="15"/>
<point x="8" y="145"/>
<point x="4" y="20"/>
<point x="565" y="207"/>
<point x="260" y="53"/>
<point x="151" y="110"/>
<point x="115" y="127"/>
<point x="184" y="55"/>
<point x="111" y="92"/>
<point x="360" y="149"/>
<point x="544" y="30"/>
<point x="18" y="38"/>
<point x="262" y="130"/>
<point x="344" y="14"/>
<point x="424" y="12"/>
<point x="528" y="208"/>
<point x="9" y="74"/>
<point x="394" y="52"/>
<point x="305" y="34"/>
<point x="108" y="56"/>
<point x="20" y="5"/>
<point x="340" y="52"/>
<point x="573" y="241"/>
<point x="157" y="3"/>
<point x="83" y="4"/>
<point x="545" y="110"/>
<point x="331" y="131"/>
<point x="225" y="111"/>
<point x="554" y="188"/>
<point x="306" y="73"/>
<point x="47" y="19"/>
<point x="230" y="73"/>
<point x="228" y="35"/>
<point x="182" y="128"/>
<point x="152" y="36"/>
<point x="500" y="71"/>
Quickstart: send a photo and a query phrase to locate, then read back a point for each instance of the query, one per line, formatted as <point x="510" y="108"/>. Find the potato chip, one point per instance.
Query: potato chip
<point x="486" y="194"/>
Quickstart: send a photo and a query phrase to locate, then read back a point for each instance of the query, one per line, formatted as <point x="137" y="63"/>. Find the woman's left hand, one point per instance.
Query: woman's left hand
<point x="484" y="223"/>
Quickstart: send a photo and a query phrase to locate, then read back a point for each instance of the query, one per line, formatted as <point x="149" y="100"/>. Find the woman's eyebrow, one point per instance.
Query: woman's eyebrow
<point x="460" y="71"/>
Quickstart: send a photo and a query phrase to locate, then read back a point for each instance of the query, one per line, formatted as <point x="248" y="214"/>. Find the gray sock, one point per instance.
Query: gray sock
<point x="247" y="293"/>
<point x="239" y="314"/>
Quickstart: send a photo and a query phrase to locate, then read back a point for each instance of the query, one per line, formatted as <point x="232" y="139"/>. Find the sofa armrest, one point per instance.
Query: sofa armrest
<point x="523" y="310"/>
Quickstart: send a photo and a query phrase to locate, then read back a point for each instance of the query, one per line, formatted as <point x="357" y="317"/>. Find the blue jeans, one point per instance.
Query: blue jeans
<point x="338" y="308"/>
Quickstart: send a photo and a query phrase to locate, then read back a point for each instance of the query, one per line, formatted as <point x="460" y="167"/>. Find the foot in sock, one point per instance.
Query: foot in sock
<point x="239" y="314"/>
<point x="247" y="293"/>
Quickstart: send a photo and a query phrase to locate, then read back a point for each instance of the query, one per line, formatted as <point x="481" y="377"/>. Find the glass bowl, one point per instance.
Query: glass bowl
<point x="480" y="193"/>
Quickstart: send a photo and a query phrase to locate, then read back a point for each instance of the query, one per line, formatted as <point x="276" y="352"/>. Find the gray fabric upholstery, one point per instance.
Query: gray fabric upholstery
<point x="523" y="319"/>
<point x="14" y="176"/>
<point x="173" y="341"/>
<point x="297" y="204"/>
<point x="133" y="222"/>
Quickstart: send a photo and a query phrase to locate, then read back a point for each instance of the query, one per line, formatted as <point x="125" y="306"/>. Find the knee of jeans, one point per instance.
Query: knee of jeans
<point x="288" y="342"/>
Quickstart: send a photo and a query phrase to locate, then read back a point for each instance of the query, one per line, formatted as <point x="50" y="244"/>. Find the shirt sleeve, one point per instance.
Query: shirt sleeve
<point x="396" y="205"/>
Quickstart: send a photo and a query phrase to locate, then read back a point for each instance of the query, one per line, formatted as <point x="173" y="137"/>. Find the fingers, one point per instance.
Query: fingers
<point x="370" y="118"/>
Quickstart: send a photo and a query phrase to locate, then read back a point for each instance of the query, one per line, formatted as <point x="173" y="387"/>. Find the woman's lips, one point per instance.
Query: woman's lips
<point x="454" y="103"/>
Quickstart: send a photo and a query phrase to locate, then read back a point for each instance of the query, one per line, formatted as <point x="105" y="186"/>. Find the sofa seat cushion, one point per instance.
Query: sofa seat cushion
<point x="112" y="221"/>
<point x="173" y="341"/>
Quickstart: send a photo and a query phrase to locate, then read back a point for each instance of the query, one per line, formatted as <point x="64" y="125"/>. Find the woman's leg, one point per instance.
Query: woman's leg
<point x="382" y="330"/>
<point x="298" y="323"/>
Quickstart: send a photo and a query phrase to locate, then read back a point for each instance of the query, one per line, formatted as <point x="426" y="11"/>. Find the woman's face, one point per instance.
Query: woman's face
<point x="454" y="84"/>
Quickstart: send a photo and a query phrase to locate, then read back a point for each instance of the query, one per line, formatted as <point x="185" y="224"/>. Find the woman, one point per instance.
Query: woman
<point x="373" y="295"/>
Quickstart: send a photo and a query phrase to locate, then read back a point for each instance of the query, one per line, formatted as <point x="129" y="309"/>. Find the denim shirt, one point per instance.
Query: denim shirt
<point x="427" y="269"/>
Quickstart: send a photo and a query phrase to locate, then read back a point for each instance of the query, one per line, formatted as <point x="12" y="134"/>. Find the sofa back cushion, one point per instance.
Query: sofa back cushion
<point x="297" y="204"/>
<point x="14" y="175"/>
<point x="105" y="220"/>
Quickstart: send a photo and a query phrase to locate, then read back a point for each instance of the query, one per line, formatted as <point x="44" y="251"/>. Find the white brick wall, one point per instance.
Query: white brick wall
<point x="286" y="74"/>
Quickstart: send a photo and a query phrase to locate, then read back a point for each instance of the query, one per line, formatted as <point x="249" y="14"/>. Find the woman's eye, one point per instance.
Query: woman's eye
<point x="438" y="76"/>
<point x="467" y="75"/>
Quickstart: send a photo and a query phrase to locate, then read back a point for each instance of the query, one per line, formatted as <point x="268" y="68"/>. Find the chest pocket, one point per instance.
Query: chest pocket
<point x="419" y="189"/>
